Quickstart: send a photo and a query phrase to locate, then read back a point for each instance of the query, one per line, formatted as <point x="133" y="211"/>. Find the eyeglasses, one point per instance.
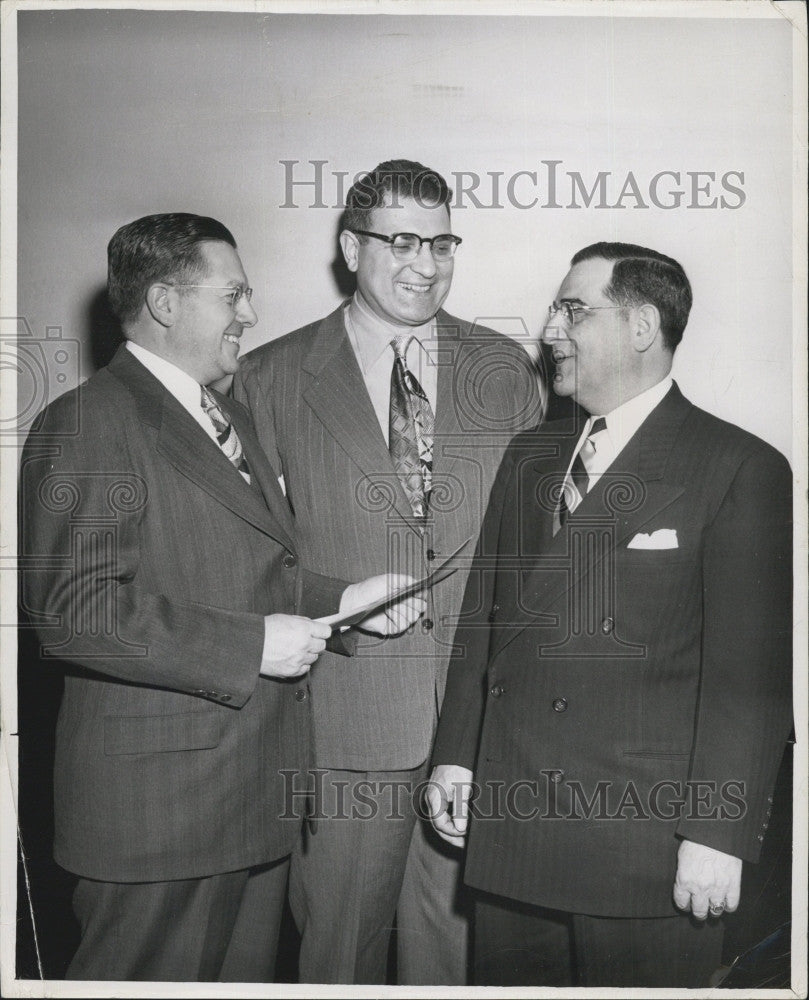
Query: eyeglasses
<point x="235" y="296"/>
<point x="407" y="246"/>
<point x="573" y="312"/>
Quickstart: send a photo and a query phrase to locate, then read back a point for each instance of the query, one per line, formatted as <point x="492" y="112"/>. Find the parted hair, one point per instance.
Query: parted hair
<point x="397" y="179"/>
<point x="163" y="247"/>
<point x="640" y="275"/>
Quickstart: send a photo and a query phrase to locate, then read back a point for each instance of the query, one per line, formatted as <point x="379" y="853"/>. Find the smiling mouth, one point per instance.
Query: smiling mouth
<point x="419" y="289"/>
<point x="232" y="338"/>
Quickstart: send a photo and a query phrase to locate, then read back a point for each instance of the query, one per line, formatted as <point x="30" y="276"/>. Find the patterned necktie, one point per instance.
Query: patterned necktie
<point x="225" y="434"/>
<point x="410" y="430"/>
<point x="578" y="484"/>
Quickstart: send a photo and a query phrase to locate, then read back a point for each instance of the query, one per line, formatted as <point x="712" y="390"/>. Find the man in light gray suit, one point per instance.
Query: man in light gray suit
<point x="387" y="419"/>
<point x="162" y="568"/>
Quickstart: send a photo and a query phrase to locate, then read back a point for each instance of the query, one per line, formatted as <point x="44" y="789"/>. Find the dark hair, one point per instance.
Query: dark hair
<point x="157" y="248"/>
<point x="399" y="179"/>
<point x="641" y="275"/>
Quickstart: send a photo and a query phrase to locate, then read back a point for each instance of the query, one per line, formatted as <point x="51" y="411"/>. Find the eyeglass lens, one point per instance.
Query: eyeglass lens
<point x="566" y="309"/>
<point x="408" y="245"/>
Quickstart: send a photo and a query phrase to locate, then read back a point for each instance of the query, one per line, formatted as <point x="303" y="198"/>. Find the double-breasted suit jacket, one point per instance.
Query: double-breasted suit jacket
<point x="625" y="682"/>
<point x="150" y="565"/>
<point x="314" y="417"/>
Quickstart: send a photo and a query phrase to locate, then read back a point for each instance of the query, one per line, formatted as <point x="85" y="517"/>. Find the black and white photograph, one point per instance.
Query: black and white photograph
<point x="403" y="521"/>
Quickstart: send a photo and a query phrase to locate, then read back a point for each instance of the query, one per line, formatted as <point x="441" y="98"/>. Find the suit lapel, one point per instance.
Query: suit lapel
<point x="263" y="476"/>
<point x="339" y="398"/>
<point x="450" y="355"/>
<point x="628" y="495"/>
<point x="189" y="449"/>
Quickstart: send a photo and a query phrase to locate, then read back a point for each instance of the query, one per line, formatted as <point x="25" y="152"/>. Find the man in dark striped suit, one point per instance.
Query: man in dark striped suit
<point x="621" y="694"/>
<point x="160" y="564"/>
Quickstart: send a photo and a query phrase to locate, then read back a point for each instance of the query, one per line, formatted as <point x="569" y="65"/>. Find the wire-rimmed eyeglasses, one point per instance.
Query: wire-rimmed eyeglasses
<point x="407" y="246"/>
<point x="573" y="312"/>
<point x="237" y="293"/>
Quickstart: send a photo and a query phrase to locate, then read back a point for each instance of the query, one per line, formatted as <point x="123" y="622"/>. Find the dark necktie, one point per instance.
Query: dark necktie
<point x="225" y="434"/>
<point x="570" y="498"/>
<point x="410" y="430"/>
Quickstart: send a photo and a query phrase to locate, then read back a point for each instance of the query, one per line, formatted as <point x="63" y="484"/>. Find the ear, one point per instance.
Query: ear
<point x="161" y="301"/>
<point x="647" y="326"/>
<point x="350" y="245"/>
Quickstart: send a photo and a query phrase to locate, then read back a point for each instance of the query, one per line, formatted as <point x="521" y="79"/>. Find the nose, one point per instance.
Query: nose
<point x="245" y="313"/>
<point x="554" y="329"/>
<point x="424" y="264"/>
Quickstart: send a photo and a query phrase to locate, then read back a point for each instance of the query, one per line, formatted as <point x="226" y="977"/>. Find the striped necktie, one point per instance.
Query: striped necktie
<point x="577" y="485"/>
<point x="410" y="430"/>
<point x="225" y="434"/>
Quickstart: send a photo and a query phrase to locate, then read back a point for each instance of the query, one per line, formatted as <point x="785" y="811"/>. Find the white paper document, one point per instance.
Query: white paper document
<point x="342" y="619"/>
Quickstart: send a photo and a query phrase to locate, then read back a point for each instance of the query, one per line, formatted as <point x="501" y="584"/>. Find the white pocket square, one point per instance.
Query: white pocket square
<point x="663" y="538"/>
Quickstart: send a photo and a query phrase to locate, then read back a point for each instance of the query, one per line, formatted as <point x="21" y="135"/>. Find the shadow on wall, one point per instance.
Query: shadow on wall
<point x="344" y="280"/>
<point x="103" y="334"/>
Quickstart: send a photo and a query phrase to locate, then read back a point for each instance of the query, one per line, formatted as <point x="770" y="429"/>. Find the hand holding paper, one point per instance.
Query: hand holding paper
<point x="367" y="603"/>
<point x="291" y="645"/>
<point x="384" y="616"/>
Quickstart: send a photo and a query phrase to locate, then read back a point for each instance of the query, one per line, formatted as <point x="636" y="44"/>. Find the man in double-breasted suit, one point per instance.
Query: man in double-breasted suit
<point x="161" y="565"/>
<point x="621" y="695"/>
<point x="323" y="400"/>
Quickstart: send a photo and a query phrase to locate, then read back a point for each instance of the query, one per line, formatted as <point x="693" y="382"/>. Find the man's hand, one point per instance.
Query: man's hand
<point x="447" y="799"/>
<point x="707" y="878"/>
<point x="392" y="619"/>
<point x="291" y="645"/>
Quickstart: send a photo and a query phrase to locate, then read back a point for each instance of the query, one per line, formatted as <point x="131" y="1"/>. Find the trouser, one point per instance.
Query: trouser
<point x="223" y="928"/>
<point x="365" y="862"/>
<point x="517" y="944"/>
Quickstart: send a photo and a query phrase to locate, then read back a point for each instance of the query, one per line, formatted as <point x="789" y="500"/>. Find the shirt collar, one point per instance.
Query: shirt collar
<point x="624" y="420"/>
<point x="370" y="335"/>
<point x="180" y="384"/>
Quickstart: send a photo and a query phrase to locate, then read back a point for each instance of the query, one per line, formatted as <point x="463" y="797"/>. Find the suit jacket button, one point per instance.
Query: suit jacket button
<point x="607" y="625"/>
<point x="430" y="555"/>
<point x="225" y="697"/>
<point x="300" y="695"/>
<point x="496" y="691"/>
<point x="289" y="560"/>
<point x="760" y="838"/>
<point x="426" y="625"/>
<point x="493" y="612"/>
<point x="560" y="705"/>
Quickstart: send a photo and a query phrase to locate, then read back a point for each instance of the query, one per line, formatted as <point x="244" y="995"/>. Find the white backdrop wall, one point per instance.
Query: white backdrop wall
<point x="124" y="113"/>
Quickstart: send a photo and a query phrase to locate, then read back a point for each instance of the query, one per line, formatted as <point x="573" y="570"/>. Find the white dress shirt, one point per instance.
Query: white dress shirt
<point x="622" y="423"/>
<point x="370" y="339"/>
<point x="186" y="390"/>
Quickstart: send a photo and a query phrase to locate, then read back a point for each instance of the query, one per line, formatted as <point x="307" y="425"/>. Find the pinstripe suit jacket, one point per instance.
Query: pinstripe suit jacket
<point x="597" y="678"/>
<point x="150" y="564"/>
<point x="315" y="419"/>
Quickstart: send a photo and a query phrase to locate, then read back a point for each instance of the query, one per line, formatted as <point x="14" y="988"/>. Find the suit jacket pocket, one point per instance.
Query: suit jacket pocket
<point x="138" y="734"/>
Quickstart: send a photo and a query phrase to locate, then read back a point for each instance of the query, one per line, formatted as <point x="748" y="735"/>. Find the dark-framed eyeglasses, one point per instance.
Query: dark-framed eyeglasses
<point x="407" y="246"/>
<point x="237" y="293"/>
<point x="573" y="312"/>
